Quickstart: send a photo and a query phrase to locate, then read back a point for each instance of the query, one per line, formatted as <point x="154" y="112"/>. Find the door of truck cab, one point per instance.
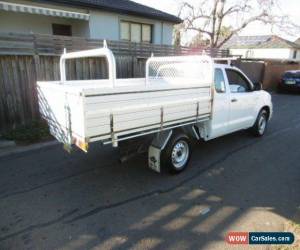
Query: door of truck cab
<point x="234" y="102"/>
<point x="242" y="100"/>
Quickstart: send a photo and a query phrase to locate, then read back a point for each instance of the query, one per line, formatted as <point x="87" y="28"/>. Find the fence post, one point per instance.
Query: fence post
<point x="238" y="62"/>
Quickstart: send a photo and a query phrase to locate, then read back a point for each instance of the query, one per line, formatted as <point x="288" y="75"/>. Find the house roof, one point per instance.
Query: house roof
<point x="259" y="42"/>
<point x="120" y="6"/>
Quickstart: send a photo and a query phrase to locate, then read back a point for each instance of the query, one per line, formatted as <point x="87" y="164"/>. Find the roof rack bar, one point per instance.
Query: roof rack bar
<point x="228" y="59"/>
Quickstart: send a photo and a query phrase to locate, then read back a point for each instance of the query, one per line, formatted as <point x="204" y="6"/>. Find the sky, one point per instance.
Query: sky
<point x="288" y="7"/>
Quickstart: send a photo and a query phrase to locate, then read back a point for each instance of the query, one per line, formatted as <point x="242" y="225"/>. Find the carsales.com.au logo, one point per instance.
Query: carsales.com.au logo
<point x="252" y="238"/>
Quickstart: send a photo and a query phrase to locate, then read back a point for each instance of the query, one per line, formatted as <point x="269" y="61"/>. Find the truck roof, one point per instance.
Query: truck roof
<point x="221" y="65"/>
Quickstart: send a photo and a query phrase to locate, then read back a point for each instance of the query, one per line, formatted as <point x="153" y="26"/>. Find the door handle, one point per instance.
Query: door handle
<point x="234" y="100"/>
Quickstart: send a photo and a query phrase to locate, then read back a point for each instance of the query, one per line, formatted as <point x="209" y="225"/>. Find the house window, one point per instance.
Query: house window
<point x="61" y="30"/>
<point x="295" y="54"/>
<point x="136" y="32"/>
<point x="125" y="31"/>
<point x="146" y="33"/>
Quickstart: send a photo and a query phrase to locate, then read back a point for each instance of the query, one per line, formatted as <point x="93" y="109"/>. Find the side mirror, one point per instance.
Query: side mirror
<point x="257" y="86"/>
<point x="241" y="89"/>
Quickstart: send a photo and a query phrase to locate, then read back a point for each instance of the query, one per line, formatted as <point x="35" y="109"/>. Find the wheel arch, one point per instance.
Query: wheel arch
<point x="267" y="109"/>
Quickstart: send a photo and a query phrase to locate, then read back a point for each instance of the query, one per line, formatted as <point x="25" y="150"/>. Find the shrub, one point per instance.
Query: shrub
<point x="34" y="131"/>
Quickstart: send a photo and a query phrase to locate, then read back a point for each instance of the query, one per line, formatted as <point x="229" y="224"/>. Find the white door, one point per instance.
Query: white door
<point x="242" y="100"/>
<point x="221" y="106"/>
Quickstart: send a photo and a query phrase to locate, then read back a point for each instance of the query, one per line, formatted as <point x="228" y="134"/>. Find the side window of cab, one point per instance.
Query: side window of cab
<point x="219" y="81"/>
<point x="237" y="82"/>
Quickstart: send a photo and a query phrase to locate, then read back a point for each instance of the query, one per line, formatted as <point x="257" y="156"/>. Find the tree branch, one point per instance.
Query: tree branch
<point x="209" y="17"/>
<point x="259" y="17"/>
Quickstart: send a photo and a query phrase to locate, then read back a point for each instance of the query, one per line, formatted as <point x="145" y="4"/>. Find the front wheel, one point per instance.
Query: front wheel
<point x="176" y="155"/>
<point x="261" y="123"/>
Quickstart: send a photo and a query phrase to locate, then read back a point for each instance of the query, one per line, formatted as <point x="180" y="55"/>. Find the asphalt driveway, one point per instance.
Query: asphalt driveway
<point x="52" y="200"/>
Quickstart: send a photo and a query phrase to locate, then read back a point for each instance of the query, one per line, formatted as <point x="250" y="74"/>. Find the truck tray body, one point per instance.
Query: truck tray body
<point x="172" y="94"/>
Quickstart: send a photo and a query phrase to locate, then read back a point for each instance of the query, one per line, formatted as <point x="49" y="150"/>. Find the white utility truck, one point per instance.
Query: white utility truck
<point x="180" y="99"/>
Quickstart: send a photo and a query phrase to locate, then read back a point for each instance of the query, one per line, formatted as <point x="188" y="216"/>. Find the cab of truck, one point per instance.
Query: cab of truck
<point x="237" y="103"/>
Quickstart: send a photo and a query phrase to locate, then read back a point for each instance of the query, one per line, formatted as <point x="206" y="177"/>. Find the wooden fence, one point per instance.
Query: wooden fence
<point x="274" y="70"/>
<point x="25" y="59"/>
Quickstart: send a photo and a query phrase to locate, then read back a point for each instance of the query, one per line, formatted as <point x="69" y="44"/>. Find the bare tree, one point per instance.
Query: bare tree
<point x="177" y="34"/>
<point x="210" y="17"/>
<point x="199" y="41"/>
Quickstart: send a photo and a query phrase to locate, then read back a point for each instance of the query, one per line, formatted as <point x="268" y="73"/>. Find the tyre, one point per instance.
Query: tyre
<point x="175" y="157"/>
<point x="261" y="123"/>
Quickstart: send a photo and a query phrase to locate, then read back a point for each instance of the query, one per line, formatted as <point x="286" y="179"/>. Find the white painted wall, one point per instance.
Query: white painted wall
<point x="106" y="25"/>
<point x="167" y="33"/>
<point x="102" y="25"/>
<point x="280" y="53"/>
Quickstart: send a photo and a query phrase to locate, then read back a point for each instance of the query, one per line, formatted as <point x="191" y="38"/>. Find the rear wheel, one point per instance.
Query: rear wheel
<point x="261" y="123"/>
<point x="176" y="155"/>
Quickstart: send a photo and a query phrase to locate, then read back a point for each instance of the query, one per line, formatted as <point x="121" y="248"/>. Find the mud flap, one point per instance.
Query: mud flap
<point x="154" y="158"/>
<point x="157" y="145"/>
